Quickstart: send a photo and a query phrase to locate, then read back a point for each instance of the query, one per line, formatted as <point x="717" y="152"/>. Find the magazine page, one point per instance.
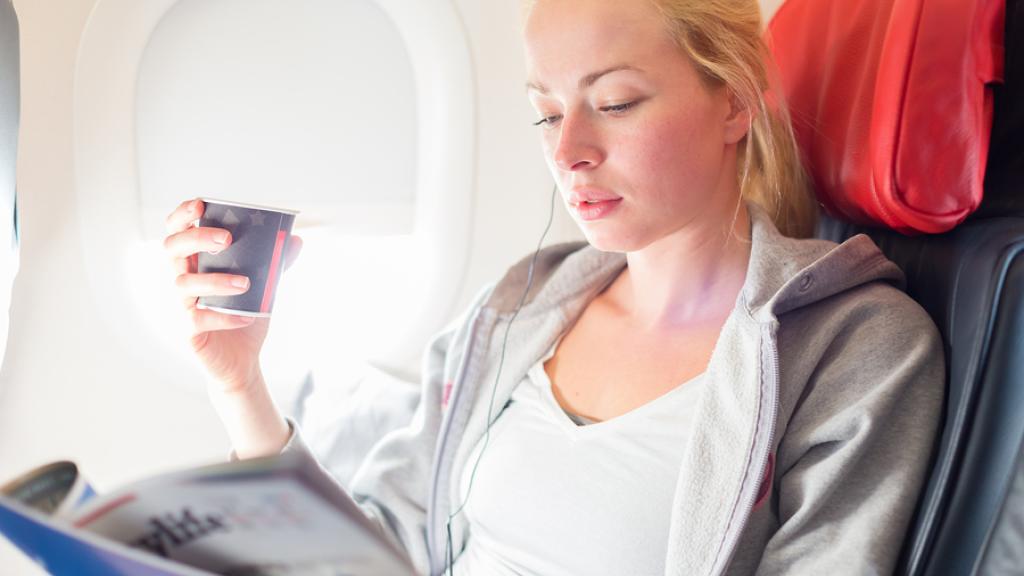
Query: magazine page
<point x="60" y="549"/>
<point x="263" y="517"/>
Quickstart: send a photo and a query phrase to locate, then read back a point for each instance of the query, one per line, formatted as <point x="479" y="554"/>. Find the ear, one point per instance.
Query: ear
<point x="737" y="123"/>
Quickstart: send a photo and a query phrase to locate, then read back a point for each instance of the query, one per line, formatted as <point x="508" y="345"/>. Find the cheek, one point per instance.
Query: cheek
<point x="676" y="154"/>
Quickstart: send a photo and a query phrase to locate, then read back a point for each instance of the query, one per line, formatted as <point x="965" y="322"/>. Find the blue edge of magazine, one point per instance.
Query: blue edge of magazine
<point x="263" y="517"/>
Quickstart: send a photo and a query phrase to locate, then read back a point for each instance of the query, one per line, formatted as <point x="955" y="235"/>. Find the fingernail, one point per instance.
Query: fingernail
<point x="240" y="282"/>
<point x="220" y="237"/>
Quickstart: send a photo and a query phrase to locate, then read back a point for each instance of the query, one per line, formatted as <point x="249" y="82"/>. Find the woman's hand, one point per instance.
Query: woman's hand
<point x="227" y="345"/>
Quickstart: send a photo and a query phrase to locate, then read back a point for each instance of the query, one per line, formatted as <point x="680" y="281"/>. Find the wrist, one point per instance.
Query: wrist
<point x="253" y="422"/>
<point x="242" y="389"/>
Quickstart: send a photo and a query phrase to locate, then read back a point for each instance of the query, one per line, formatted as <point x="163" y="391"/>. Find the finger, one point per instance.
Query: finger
<point x="293" y="250"/>
<point x="212" y="321"/>
<point x="184" y="215"/>
<point x="194" y="240"/>
<point x="192" y="286"/>
<point x="185" y="265"/>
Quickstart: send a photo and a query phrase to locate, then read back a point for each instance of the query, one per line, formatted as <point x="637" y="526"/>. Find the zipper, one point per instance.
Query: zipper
<point x="771" y="387"/>
<point x="437" y="566"/>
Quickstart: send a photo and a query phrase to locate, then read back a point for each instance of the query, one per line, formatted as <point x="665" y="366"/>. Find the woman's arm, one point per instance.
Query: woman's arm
<point x="393" y="483"/>
<point x="858" y="446"/>
<point x="228" y="346"/>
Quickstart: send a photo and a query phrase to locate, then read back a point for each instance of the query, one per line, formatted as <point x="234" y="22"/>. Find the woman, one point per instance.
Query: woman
<point x="692" y="393"/>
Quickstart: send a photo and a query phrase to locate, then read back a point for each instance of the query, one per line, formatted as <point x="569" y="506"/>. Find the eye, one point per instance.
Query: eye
<point x="619" y="108"/>
<point x="548" y="120"/>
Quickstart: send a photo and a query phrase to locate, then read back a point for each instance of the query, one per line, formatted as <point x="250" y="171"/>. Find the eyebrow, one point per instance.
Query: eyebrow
<point x="588" y="80"/>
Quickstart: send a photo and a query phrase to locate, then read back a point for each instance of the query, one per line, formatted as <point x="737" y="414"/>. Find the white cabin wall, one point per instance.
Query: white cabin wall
<point x="51" y="371"/>
<point x="769" y="7"/>
<point x="47" y="373"/>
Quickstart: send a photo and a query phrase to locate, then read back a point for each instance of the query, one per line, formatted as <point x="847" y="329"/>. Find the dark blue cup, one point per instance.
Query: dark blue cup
<point x="259" y="240"/>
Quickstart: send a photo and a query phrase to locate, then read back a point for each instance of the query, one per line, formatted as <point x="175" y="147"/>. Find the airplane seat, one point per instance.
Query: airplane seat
<point x="1006" y="158"/>
<point x="963" y="262"/>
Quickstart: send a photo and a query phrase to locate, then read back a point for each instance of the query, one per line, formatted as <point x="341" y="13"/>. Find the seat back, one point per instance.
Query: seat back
<point x="970" y="516"/>
<point x="982" y="528"/>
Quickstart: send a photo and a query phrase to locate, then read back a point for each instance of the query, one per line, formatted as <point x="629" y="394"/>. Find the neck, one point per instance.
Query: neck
<point x="688" y="278"/>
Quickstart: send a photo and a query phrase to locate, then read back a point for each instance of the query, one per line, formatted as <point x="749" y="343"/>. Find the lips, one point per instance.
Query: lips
<point x="582" y="196"/>
<point x="593" y="203"/>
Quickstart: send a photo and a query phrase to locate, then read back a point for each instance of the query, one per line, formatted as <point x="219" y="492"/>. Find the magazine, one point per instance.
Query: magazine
<point x="263" y="517"/>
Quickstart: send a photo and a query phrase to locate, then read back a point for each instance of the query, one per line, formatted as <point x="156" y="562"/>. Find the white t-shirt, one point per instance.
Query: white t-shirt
<point x="551" y="497"/>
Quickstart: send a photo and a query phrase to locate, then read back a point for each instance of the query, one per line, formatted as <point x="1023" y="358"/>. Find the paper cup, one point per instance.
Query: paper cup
<point x="259" y="238"/>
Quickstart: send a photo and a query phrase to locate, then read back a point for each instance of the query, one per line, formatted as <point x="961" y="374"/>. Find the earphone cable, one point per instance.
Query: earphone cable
<point x="450" y="552"/>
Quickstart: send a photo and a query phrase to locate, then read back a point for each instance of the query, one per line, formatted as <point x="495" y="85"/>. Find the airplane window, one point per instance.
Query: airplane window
<point x="358" y="114"/>
<point x="233" y="102"/>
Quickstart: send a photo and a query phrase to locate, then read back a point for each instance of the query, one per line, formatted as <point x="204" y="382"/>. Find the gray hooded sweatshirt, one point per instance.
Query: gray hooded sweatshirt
<point x="811" y="439"/>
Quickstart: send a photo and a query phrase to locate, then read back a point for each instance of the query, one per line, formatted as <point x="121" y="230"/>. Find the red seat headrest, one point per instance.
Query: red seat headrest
<point x="891" y="104"/>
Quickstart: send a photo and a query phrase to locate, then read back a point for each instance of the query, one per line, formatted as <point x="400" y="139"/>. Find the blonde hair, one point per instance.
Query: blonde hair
<point x="723" y="38"/>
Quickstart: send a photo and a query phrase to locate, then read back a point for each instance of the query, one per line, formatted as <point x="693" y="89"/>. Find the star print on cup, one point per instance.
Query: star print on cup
<point x="259" y="239"/>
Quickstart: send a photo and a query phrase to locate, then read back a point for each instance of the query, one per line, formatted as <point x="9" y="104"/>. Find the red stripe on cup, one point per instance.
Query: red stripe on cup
<point x="275" y="265"/>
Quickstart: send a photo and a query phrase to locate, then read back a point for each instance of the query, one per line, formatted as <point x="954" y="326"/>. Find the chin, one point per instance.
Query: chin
<point x="613" y="243"/>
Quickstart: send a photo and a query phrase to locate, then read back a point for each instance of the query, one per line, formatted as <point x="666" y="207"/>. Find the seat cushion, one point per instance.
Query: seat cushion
<point x="891" y="104"/>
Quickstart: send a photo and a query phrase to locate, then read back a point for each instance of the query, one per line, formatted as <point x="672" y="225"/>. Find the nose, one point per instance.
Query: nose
<point x="578" y="144"/>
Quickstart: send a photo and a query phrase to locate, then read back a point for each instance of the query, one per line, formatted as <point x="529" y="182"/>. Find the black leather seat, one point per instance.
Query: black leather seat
<point x="970" y="517"/>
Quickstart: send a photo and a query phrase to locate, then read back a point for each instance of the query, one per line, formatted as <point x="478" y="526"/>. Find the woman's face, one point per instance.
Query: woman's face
<point x="640" y="146"/>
